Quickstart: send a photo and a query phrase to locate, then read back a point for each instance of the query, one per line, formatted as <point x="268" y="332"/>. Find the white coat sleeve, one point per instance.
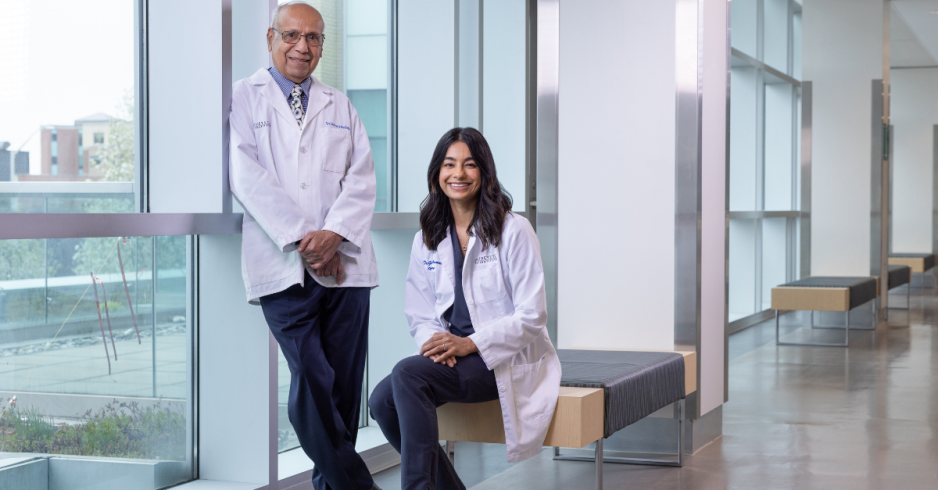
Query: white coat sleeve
<point x="256" y="188"/>
<point x="505" y="337"/>
<point x="420" y="299"/>
<point x="350" y="215"/>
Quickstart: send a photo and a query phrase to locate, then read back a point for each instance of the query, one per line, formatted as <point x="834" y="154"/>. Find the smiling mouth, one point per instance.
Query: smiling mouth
<point x="298" y="60"/>
<point x="458" y="185"/>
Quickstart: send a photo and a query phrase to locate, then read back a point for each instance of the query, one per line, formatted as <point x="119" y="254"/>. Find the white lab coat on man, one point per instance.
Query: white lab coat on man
<point x="504" y="290"/>
<point x="294" y="179"/>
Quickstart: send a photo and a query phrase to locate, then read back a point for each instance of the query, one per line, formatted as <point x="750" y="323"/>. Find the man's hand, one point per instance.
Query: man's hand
<point x="318" y="247"/>
<point x="444" y="347"/>
<point x="332" y="268"/>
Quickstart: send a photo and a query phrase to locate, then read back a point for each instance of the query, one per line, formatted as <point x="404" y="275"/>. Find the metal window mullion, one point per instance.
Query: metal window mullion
<point x="392" y="105"/>
<point x="757" y="270"/>
<point x="760" y="30"/>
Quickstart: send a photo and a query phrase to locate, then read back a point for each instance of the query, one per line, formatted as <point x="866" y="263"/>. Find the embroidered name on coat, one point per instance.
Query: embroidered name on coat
<point x="486" y="259"/>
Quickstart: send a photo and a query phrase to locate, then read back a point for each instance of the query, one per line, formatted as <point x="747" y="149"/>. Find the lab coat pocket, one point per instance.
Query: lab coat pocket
<point x="488" y="284"/>
<point x="525" y="380"/>
<point x="335" y="150"/>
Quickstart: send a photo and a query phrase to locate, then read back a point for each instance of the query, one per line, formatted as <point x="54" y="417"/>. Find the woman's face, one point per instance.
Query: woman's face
<point x="459" y="176"/>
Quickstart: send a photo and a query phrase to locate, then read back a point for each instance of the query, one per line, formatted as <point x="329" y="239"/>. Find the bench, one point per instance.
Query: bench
<point x="582" y="416"/>
<point x="900" y="275"/>
<point x="825" y="294"/>
<point x="919" y="263"/>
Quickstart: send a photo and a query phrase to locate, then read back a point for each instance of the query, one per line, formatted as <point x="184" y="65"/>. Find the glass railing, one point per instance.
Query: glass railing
<point x="94" y="356"/>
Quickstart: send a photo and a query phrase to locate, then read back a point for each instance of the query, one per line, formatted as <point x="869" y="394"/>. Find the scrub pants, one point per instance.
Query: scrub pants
<point x="323" y="333"/>
<point x="404" y="405"/>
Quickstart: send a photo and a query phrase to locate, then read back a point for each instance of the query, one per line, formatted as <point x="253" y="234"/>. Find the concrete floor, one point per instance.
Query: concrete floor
<point x="864" y="417"/>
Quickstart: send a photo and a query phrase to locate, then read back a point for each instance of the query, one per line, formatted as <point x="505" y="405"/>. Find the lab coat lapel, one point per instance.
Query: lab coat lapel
<point x="445" y="251"/>
<point x="278" y="101"/>
<point x="319" y="97"/>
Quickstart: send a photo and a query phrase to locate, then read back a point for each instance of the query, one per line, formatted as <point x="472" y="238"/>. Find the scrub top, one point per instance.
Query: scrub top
<point x="458" y="315"/>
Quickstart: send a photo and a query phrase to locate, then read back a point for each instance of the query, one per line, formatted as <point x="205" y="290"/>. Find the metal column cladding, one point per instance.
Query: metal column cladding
<point x="687" y="230"/>
<point x="548" y="76"/>
<point x="934" y="195"/>
<point x="806" y="101"/>
<point x="879" y="191"/>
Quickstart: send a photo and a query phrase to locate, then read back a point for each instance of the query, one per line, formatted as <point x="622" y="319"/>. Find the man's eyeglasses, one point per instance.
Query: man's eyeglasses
<point x="314" y="40"/>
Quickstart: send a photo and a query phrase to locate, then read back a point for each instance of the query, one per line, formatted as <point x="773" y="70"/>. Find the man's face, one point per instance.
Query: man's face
<point x="297" y="61"/>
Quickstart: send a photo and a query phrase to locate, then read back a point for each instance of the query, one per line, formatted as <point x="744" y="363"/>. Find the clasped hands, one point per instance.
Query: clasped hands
<point x="318" y="249"/>
<point x="445" y="347"/>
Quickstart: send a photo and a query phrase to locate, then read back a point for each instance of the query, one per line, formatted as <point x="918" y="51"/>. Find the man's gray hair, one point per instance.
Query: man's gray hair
<point x="275" y="13"/>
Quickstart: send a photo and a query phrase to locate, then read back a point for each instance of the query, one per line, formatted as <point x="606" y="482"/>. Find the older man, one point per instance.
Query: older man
<point x="301" y="166"/>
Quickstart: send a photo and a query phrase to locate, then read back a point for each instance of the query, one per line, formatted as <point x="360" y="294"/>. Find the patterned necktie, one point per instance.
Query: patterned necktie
<point x="296" y="104"/>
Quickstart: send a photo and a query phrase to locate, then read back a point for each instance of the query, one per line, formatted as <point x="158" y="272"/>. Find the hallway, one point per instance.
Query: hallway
<point x="865" y="417"/>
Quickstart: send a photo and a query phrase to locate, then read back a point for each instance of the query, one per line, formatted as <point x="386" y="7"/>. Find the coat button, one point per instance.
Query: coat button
<point x="303" y="185"/>
<point x="303" y="150"/>
<point x="501" y="389"/>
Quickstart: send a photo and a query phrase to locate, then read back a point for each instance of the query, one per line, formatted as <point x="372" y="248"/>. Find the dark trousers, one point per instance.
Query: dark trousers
<point x="323" y="333"/>
<point x="404" y="404"/>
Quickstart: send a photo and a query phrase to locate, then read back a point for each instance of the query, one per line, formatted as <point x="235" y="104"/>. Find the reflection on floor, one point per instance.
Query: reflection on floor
<point x="798" y="418"/>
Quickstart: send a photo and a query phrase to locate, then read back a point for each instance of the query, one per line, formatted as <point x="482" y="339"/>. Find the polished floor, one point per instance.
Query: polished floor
<point x="865" y="417"/>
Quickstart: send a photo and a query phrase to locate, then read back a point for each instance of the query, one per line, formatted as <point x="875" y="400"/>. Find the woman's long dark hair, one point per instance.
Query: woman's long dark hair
<point x="494" y="202"/>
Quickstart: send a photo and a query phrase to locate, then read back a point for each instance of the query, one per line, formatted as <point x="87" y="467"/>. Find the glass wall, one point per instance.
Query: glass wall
<point x="765" y="129"/>
<point x="95" y="338"/>
<point x="72" y="146"/>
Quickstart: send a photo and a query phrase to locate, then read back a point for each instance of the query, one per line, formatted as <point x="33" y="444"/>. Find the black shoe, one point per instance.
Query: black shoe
<point x="374" y="486"/>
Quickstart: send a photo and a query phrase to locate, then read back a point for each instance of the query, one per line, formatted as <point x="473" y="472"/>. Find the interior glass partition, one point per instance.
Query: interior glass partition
<point x="765" y="131"/>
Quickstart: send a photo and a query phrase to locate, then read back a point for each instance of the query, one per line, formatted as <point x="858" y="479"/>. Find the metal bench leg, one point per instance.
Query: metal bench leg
<point x="451" y="451"/>
<point x="598" y="458"/>
<point x="680" y="433"/>
<point x="599" y="464"/>
<point x="818" y="344"/>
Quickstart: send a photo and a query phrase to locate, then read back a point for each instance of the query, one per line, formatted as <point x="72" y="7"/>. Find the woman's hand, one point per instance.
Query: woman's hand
<point x="445" y="347"/>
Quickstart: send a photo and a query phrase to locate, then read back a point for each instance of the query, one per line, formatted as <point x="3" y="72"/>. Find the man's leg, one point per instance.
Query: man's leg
<point x="344" y="321"/>
<point x="419" y="386"/>
<point x="294" y="318"/>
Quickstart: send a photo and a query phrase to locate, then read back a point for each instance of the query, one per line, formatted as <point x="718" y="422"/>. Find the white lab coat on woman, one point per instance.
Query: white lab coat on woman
<point x="294" y="179"/>
<point x="504" y="290"/>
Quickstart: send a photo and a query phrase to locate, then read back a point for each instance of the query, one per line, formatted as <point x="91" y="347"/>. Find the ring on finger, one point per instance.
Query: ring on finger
<point x="444" y="346"/>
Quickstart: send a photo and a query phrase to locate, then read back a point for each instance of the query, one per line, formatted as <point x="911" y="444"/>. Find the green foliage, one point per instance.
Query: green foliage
<point x="22" y="259"/>
<point x="117" y="156"/>
<point x="118" y="430"/>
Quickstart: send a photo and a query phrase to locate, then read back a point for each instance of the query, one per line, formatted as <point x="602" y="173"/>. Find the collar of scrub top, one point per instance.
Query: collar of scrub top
<point x="286" y="86"/>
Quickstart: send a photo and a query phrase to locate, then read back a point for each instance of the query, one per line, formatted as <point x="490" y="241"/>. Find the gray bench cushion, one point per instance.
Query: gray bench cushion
<point x="899" y="275"/>
<point x="929" y="258"/>
<point x="635" y="384"/>
<point x="862" y="289"/>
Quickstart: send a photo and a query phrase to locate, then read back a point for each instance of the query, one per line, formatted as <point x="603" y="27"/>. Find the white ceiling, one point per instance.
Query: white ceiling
<point x="913" y="33"/>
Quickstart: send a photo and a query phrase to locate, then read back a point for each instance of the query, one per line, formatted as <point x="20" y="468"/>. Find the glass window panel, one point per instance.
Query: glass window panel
<point x="504" y="100"/>
<point x="774" y="254"/>
<point x="745" y="26"/>
<point x="64" y="146"/>
<point x="742" y="268"/>
<point x="796" y="46"/>
<point x="111" y="386"/>
<point x="779" y="156"/>
<point x="743" y="134"/>
<point x="776" y="34"/>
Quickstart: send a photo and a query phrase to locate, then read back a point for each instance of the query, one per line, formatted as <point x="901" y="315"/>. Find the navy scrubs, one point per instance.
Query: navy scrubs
<point x="404" y="403"/>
